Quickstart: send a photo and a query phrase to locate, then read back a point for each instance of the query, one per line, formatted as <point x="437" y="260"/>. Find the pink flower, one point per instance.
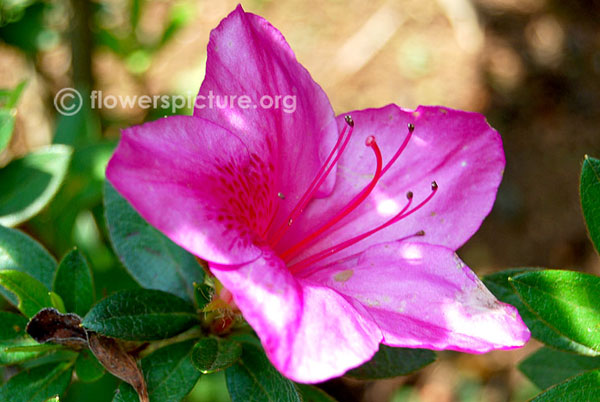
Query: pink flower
<point x="332" y="234"/>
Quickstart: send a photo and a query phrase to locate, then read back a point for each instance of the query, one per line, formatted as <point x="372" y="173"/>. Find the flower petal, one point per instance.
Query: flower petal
<point x="248" y="57"/>
<point x="424" y="296"/>
<point x="458" y="150"/>
<point x="195" y="182"/>
<point x="309" y="332"/>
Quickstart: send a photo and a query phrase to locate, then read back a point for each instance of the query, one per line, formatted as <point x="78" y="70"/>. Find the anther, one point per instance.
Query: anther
<point x="434" y="186"/>
<point x="349" y="120"/>
<point x="420" y="233"/>
<point x="281" y="195"/>
<point x="409" y="195"/>
<point x="411" y="127"/>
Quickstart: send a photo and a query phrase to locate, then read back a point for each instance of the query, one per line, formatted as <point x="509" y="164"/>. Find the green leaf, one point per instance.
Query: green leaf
<point x="11" y="325"/>
<point x="10" y="98"/>
<point x="203" y="294"/>
<point x="253" y="378"/>
<point x="21" y="253"/>
<point x="547" y="367"/>
<point x="153" y="260"/>
<point x="169" y="375"/>
<point x="31" y="294"/>
<point x="37" y="384"/>
<point x="57" y="302"/>
<point x="589" y="191"/>
<point x="500" y="286"/>
<point x="74" y="283"/>
<point x="87" y="367"/>
<point x="28" y="184"/>
<point x="393" y="362"/>
<point x="583" y="387"/>
<point x="9" y="101"/>
<point x="215" y="354"/>
<point x="13" y="335"/>
<point x="140" y="314"/>
<point x="313" y="394"/>
<point x="7" y="125"/>
<point x="568" y="301"/>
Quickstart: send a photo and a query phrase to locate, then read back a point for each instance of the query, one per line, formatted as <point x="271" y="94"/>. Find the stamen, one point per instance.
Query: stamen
<point x="358" y="199"/>
<point x="411" y="129"/>
<point x="337" y="248"/>
<point x="351" y="206"/>
<point x="318" y="180"/>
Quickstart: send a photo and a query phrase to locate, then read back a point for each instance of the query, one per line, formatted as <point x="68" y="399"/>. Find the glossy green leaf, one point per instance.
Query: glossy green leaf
<point x="568" y="301"/>
<point x="253" y="378"/>
<point x="21" y="253"/>
<point x="214" y="354"/>
<point x="153" y="260"/>
<point x="393" y="362"/>
<point x="313" y="394"/>
<point x="37" y="384"/>
<point x="57" y="302"/>
<point x="140" y="314"/>
<point x="589" y="191"/>
<point x="87" y="367"/>
<point x="584" y="387"/>
<point x="7" y="125"/>
<point x="28" y="184"/>
<point x="31" y="294"/>
<point x="500" y="286"/>
<point x="74" y="283"/>
<point x="12" y="336"/>
<point x="547" y="367"/>
<point x="169" y="375"/>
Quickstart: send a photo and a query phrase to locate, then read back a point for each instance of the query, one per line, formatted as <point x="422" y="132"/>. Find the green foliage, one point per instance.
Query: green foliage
<point x="583" y="387"/>
<point x="547" y="367"/>
<point x="169" y="374"/>
<point x="74" y="283"/>
<point x="28" y="184"/>
<point x="149" y="256"/>
<point x="589" y="190"/>
<point x="13" y="339"/>
<point x="214" y="354"/>
<point x="253" y="378"/>
<point x="393" y="362"/>
<point x="8" y="103"/>
<point x="31" y="295"/>
<point x="500" y="286"/>
<point x="21" y="253"/>
<point x="567" y="301"/>
<point x="87" y="367"/>
<point x="562" y="309"/>
<point x="140" y="314"/>
<point x="37" y="384"/>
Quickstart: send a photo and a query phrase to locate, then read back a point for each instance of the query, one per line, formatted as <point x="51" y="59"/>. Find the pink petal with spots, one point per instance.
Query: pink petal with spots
<point x="424" y="296"/>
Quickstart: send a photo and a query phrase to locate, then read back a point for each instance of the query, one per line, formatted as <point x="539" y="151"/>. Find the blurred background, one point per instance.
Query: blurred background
<point x="532" y="67"/>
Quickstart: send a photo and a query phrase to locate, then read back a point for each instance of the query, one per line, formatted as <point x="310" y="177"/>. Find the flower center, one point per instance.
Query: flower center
<point x="357" y="200"/>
